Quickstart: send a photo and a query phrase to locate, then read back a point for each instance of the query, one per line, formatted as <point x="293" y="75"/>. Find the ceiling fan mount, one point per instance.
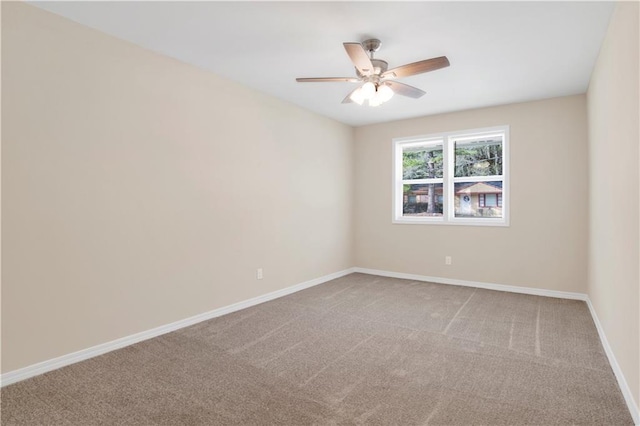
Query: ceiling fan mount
<point x="375" y="75"/>
<point x="371" y="45"/>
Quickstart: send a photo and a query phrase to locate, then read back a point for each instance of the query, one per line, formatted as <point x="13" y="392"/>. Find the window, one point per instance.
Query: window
<point x="458" y="178"/>
<point x="490" y="200"/>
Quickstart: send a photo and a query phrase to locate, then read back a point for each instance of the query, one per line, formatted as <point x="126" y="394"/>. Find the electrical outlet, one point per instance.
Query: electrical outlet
<point x="259" y="273"/>
<point x="447" y="260"/>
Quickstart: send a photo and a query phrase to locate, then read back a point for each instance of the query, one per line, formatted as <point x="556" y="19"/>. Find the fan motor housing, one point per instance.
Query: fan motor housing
<point x="379" y="66"/>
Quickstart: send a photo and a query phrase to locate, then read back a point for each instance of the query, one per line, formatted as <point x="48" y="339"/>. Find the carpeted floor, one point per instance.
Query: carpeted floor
<point x="357" y="350"/>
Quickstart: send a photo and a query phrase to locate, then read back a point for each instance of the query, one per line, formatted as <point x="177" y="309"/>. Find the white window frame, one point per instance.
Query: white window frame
<point x="448" y="139"/>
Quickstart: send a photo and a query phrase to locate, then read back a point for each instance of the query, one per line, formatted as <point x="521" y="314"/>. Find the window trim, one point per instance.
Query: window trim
<point x="448" y="139"/>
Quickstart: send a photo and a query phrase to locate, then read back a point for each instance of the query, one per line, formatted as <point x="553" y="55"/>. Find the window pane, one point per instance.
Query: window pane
<point x="422" y="162"/>
<point x="422" y="200"/>
<point x="469" y="197"/>
<point x="481" y="157"/>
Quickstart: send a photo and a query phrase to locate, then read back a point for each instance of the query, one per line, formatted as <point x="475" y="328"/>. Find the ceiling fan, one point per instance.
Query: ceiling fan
<point x="377" y="86"/>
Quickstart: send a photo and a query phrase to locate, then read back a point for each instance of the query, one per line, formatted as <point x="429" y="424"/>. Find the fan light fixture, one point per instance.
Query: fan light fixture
<point x="368" y="90"/>
<point x="375" y="94"/>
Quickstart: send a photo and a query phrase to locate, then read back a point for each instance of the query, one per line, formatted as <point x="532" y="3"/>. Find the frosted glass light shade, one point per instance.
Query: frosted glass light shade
<point x="385" y="93"/>
<point x="376" y="100"/>
<point x="356" y="96"/>
<point x="368" y="90"/>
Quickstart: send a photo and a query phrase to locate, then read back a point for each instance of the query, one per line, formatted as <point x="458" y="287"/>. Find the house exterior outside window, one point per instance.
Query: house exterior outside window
<point x="482" y="199"/>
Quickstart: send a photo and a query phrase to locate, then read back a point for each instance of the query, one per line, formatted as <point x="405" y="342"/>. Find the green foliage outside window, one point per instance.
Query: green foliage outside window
<point x="478" y="159"/>
<point x="422" y="163"/>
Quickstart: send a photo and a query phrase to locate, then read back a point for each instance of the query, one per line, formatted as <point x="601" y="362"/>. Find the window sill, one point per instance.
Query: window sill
<point x="440" y="221"/>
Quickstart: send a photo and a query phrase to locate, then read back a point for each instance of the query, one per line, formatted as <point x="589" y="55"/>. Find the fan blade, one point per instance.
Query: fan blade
<point x="359" y="58"/>
<point x="327" y="79"/>
<point x="405" y="89"/>
<point x="417" y="67"/>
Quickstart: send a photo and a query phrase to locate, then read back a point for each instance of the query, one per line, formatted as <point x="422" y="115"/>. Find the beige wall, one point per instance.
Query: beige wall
<point x="614" y="140"/>
<point x="138" y="190"/>
<point x="546" y="244"/>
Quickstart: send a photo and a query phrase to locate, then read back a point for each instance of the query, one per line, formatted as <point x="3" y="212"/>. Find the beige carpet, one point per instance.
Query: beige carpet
<point x="357" y="350"/>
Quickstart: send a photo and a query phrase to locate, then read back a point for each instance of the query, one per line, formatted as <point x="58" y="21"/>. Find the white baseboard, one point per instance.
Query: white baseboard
<point x="477" y="284"/>
<point x="622" y="382"/>
<point x="624" y="387"/>
<point x="62" y="361"/>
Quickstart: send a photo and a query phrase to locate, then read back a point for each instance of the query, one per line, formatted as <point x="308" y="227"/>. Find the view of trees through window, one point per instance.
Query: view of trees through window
<point x="424" y="162"/>
<point x="478" y="158"/>
<point x="422" y="200"/>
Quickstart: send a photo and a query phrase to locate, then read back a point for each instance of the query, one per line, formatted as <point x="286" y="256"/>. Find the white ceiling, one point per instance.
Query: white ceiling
<point x="500" y="52"/>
